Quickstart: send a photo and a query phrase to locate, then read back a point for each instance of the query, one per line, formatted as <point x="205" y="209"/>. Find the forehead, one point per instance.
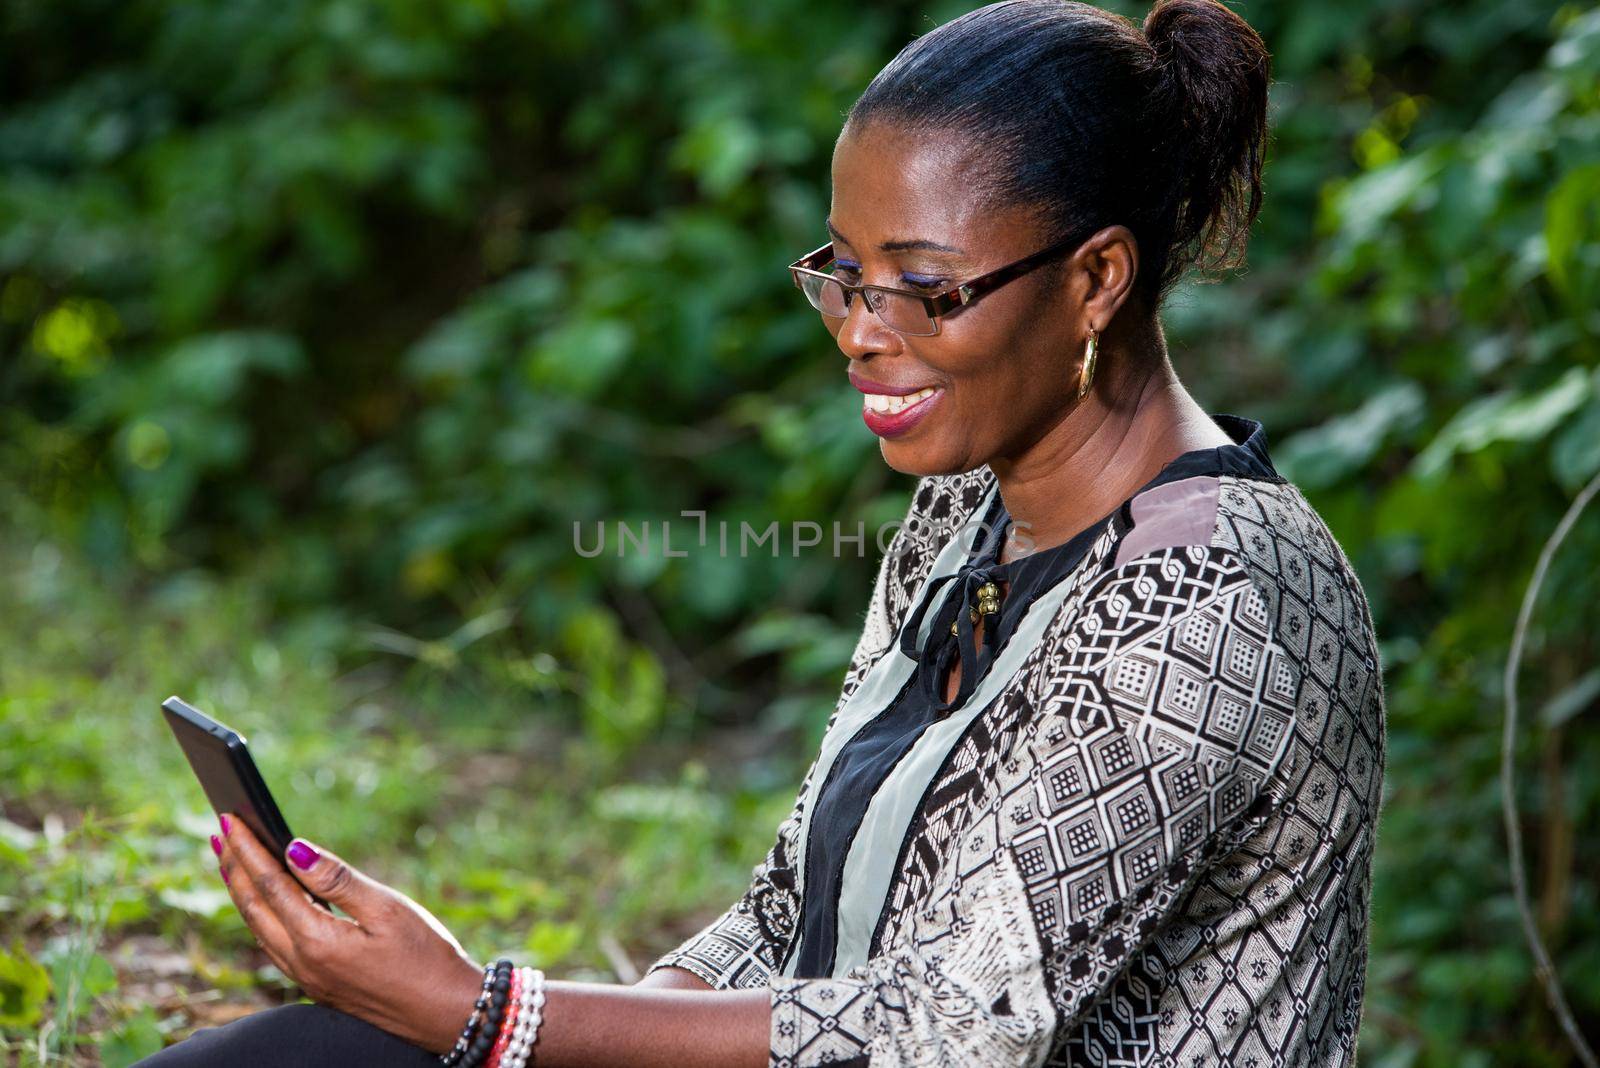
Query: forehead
<point x="890" y="184"/>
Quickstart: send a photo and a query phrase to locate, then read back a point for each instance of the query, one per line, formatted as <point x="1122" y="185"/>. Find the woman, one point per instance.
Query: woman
<point x="1102" y="784"/>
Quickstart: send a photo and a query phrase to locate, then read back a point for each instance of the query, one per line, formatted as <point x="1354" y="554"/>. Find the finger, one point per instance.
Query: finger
<point x="261" y="920"/>
<point x="273" y="887"/>
<point x="329" y="877"/>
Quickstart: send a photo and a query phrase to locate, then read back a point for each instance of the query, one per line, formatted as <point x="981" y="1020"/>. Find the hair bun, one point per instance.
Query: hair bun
<point x="1213" y="70"/>
<point x="1203" y="43"/>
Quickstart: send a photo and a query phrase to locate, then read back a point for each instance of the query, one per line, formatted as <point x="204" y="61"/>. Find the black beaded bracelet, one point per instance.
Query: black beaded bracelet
<point x="471" y="1050"/>
<point x="459" y="1050"/>
<point x="480" y="1047"/>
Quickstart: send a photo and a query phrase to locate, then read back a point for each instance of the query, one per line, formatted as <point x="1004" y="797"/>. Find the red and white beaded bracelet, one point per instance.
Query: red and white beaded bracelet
<point x="530" y="1014"/>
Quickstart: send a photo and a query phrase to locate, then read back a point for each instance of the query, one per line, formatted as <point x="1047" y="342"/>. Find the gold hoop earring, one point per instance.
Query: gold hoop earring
<point x="1086" y="376"/>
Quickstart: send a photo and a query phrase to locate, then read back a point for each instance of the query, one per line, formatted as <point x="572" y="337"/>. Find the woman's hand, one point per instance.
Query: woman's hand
<point x="391" y="963"/>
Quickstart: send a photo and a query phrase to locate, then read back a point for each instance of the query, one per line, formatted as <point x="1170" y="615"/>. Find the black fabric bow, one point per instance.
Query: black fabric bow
<point x="960" y="601"/>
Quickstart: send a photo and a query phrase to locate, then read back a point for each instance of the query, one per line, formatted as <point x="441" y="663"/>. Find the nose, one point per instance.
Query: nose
<point x="861" y="334"/>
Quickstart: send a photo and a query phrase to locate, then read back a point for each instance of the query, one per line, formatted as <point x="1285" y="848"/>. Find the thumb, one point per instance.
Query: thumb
<point x="330" y="878"/>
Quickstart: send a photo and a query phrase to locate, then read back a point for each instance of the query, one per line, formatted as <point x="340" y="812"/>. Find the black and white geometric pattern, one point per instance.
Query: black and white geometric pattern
<point x="1153" y="848"/>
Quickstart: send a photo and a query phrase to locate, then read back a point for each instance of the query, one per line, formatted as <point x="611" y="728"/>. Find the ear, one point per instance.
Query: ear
<point x="1105" y="267"/>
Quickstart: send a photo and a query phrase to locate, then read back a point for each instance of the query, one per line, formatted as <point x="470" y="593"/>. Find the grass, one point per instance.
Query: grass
<point x="466" y="781"/>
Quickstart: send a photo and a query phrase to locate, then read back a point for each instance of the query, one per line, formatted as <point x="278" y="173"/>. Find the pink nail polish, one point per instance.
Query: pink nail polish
<point x="227" y="824"/>
<point x="216" y="845"/>
<point x="302" y="855"/>
<point x="224" y="873"/>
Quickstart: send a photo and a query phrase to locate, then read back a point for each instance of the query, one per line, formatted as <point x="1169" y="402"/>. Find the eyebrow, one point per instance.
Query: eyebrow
<point x="918" y="244"/>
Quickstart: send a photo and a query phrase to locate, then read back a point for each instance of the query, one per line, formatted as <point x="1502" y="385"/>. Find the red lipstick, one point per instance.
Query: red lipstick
<point x="888" y="421"/>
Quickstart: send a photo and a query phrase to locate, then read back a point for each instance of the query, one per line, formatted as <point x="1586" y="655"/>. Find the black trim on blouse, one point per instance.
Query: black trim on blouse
<point x="867" y="759"/>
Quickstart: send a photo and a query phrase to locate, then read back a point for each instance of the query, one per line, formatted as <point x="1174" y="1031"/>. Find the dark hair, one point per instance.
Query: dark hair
<point x="1080" y="115"/>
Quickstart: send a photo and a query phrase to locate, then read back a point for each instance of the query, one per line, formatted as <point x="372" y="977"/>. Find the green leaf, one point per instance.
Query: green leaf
<point x="1344" y="444"/>
<point x="131" y="1041"/>
<point x="1576" y="454"/>
<point x="210" y="368"/>
<point x="1364" y="205"/>
<point x="1572" y="235"/>
<point x="1505" y="416"/>
<point x="206" y="901"/>
<point x="722" y="150"/>
<point x="78" y="975"/>
<point x="581" y="357"/>
<point x="24" y="986"/>
<point x="550" y="942"/>
<point x="16" y="842"/>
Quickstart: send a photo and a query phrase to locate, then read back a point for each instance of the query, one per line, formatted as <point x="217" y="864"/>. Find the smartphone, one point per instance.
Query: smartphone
<point x="228" y="775"/>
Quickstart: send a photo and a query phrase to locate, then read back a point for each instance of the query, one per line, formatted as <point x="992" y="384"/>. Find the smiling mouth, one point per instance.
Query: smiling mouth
<point x="890" y="416"/>
<point x="885" y="404"/>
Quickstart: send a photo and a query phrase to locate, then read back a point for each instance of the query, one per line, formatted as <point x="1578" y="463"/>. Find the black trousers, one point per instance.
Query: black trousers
<point x="302" y="1036"/>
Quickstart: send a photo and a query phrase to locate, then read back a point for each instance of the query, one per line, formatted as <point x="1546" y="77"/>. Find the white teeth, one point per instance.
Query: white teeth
<point x="887" y="405"/>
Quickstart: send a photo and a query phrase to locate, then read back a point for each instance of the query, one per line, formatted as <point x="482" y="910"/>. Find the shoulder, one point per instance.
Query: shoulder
<point x="1266" y="528"/>
<point x="1176" y="636"/>
<point x="1217" y="613"/>
<point x="1305" y="593"/>
<point x="1255" y="543"/>
<point x="1182" y="544"/>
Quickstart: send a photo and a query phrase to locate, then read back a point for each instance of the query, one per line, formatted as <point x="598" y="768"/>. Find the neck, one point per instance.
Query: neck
<point x="1135" y="420"/>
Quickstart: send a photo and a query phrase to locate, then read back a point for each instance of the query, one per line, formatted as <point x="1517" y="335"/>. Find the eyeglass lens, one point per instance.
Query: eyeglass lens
<point x="899" y="311"/>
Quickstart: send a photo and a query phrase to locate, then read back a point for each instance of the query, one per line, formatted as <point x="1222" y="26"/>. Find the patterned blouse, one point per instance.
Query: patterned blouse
<point x="1142" y="833"/>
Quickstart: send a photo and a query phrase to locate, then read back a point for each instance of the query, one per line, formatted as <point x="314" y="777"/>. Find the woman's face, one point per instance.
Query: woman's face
<point x="1002" y="371"/>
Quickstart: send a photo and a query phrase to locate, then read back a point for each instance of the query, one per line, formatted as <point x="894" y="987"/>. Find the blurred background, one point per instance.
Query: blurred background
<point x="323" y="321"/>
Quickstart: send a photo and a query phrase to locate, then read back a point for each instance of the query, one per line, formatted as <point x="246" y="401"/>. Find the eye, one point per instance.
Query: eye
<point x="923" y="282"/>
<point x="845" y="267"/>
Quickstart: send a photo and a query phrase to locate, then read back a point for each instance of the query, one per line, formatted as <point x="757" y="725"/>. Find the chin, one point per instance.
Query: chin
<point x="922" y="458"/>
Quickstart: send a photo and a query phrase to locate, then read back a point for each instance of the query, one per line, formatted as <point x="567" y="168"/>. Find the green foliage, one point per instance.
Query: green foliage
<point x="324" y="322"/>
<point x="24" y="986"/>
<point x="521" y="834"/>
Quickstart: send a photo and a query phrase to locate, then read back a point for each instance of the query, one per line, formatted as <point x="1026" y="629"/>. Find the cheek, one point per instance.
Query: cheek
<point x="991" y="363"/>
<point x="1005" y="383"/>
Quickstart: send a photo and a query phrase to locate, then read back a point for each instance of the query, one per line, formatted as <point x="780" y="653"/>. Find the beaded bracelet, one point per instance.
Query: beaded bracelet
<point x="513" y="1010"/>
<point x="480" y="1045"/>
<point x="530" y="1014"/>
<point x="537" y="1014"/>
<point x="534" y="1018"/>
<point x="479" y="1007"/>
<point x="483" y="1045"/>
<point x="497" y="1059"/>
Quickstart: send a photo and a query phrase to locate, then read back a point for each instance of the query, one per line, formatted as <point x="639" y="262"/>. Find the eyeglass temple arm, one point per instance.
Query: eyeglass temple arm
<point x="811" y="261"/>
<point x="971" y="291"/>
<point x="816" y="258"/>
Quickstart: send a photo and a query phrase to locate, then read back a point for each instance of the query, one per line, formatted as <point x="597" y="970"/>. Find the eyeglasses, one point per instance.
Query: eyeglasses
<point x="902" y="310"/>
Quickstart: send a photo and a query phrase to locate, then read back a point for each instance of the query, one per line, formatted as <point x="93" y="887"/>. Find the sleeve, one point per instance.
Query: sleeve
<point x="741" y="948"/>
<point x="1157" y="724"/>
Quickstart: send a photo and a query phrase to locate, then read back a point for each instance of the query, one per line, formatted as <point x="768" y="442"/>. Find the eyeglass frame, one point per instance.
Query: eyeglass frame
<point x="939" y="304"/>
